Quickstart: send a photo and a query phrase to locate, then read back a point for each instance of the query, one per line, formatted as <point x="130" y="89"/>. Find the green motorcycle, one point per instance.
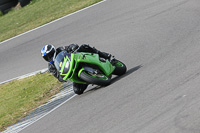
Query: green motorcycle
<point x="87" y="68"/>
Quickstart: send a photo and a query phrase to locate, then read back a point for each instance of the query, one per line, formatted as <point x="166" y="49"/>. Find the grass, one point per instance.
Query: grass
<point x="37" y="13"/>
<point x="19" y="97"/>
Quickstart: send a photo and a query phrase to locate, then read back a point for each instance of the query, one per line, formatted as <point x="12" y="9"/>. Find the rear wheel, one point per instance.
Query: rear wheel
<point x="120" y="68"/>
<point x="7" y="6"/>
<point x="98" y="79"/>
<point x="5" y="1"/>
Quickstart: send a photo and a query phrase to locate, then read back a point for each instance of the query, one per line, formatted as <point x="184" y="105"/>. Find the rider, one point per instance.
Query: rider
<point x="49" y="53"/>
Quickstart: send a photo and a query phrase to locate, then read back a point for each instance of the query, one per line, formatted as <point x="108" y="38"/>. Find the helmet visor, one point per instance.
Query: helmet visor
<point x="49" y="56"/>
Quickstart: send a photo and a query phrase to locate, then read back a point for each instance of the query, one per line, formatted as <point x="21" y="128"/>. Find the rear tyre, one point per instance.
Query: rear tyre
<point x="79" y="88"/>
<point x="6" y="7"/>
<point x="98" y="79"/>
<point x="120" y="68"/>
<point x="2" y="2"/>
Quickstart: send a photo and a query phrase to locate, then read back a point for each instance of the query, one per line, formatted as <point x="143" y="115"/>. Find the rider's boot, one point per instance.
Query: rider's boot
<point x="94" y="50"/>
<point x="104" y="55"/>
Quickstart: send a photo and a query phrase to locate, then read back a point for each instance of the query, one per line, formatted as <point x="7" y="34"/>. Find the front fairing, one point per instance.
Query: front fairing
<point x="63" y="64"/>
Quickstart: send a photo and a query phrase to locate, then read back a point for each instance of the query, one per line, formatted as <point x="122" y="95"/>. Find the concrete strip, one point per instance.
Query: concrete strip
<point x="26" y="75"/>
<point x="57" y="100"/>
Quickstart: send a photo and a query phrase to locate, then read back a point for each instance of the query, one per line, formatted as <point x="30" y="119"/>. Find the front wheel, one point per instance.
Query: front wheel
<point x="120" y="68"/>
<point x="98" y="79"/>
<point x="79" y="88"/>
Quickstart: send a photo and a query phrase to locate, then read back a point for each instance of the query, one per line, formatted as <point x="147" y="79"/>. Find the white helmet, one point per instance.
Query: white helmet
<point x="48" y="53"/>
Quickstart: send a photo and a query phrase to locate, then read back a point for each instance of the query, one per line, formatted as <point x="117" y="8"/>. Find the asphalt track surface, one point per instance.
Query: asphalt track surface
<point x="158" y="40"/>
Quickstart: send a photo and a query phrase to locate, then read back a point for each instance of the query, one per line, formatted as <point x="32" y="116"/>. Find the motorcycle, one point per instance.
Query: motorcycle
<point x="87" y="68"/>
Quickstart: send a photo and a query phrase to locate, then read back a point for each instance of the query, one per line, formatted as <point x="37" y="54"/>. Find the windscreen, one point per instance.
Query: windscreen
<point x="60" y="58"/>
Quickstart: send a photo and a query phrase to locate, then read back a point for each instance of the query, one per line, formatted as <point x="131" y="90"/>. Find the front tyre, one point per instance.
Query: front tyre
<point x="98" y="79"/>
<point x="120" y="68"/>
<point x="79" y="88"/>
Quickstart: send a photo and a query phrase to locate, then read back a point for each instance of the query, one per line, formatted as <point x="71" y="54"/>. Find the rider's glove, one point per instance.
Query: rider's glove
<point x="52" y="69"/>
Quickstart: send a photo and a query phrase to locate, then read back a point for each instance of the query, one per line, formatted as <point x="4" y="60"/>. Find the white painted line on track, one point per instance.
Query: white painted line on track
<point x="52" y="22"/>
<point x="30" y="74"/>
<point x="24" y="76"/>
<point x="40" y="112"/>
<point x="49" y="111"/>
<point x="43" y="70"/>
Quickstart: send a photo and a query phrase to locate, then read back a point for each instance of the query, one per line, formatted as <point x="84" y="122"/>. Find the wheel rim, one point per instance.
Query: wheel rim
<point x="97" y="76"/>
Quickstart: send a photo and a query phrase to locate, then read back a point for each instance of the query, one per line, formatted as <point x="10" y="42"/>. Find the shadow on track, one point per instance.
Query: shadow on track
<point x="130" y="71"/>
<point x="117" y="78"/>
